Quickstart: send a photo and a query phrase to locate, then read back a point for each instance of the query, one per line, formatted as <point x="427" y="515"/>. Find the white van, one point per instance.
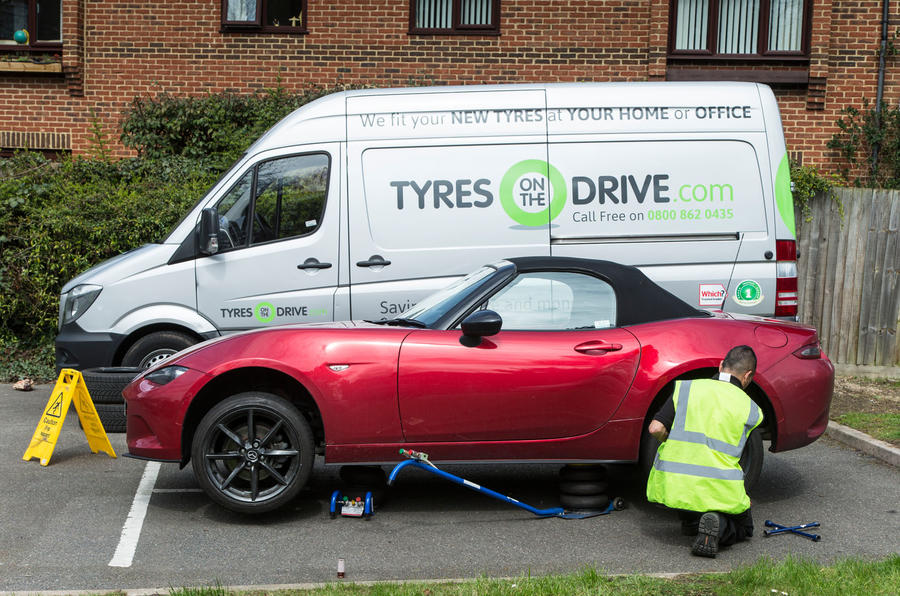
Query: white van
<point x="360" y="203"/>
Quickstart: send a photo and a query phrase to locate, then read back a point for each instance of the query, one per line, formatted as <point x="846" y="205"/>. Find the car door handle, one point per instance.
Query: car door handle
<point x="374" y="261"/>
<point x="313" y="263"/>
<point x="597" y="348"/>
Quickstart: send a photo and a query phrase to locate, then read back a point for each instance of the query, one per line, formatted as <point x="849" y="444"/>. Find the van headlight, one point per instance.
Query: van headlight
<point x="78" y="300"/>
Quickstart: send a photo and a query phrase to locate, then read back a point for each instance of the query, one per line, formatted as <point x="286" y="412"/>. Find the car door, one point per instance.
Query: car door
<point x="278" y="245"/>
<point x="558" y="368"/>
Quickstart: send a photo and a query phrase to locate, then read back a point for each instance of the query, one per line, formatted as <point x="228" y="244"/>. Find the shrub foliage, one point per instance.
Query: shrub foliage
<point x="59" y="218"/>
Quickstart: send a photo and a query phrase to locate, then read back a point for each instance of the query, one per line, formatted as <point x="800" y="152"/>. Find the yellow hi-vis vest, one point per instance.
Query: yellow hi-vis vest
<point x="697" y="467"/>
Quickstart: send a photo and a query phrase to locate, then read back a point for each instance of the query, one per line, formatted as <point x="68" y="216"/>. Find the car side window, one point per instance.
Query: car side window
<point x="290" y="197"/>
<point x="555" y="301"/>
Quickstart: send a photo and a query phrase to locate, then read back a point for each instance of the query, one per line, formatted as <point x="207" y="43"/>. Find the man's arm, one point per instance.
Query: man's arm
<point x="662" y="421"/>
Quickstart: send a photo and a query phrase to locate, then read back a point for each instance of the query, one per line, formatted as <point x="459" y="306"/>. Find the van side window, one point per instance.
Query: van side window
<point x="290" y="197"/>
<point x="555" y="301"/>
<point x="234" y="212"/>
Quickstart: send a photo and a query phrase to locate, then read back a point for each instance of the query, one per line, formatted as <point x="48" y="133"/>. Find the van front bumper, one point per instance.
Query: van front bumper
<point x="80" y="349"/>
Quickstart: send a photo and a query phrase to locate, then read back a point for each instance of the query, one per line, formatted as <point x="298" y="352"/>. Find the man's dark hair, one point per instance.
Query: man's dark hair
<point x="740" y="359"/>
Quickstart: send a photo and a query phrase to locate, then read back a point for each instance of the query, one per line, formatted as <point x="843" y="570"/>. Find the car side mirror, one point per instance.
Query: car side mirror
<point x="480" y="323"/>
<point x="209" y="231"/>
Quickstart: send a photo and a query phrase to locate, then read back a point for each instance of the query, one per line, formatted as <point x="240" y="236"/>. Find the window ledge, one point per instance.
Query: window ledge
<point x="755" y="75"/>
<point x="30" y="67"/>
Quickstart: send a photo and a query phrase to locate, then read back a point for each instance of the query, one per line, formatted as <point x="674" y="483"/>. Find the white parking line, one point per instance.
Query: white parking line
<point x="131" y="531"/>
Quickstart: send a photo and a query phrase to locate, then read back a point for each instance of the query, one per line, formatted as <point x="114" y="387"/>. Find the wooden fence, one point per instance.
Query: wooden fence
<point x="848" y="275"/>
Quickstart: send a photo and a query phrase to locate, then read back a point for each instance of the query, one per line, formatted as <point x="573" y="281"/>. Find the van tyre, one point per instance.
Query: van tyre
<point x="105" y="384"/>
<point x="253" y="452"/>
<point x="155" y="347"/>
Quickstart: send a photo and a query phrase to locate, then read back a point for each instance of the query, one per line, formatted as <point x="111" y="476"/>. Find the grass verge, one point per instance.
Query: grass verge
<point x="791" y="576"/>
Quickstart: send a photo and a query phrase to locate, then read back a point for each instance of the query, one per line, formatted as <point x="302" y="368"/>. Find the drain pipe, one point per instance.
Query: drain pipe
<point x="880" y="94"/>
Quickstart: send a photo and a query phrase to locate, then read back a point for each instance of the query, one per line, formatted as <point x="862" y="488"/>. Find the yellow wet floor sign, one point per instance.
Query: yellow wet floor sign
<point x="70" y="387"/>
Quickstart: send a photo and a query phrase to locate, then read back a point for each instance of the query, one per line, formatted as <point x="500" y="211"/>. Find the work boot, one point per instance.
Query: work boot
<point x="707" y="542"/>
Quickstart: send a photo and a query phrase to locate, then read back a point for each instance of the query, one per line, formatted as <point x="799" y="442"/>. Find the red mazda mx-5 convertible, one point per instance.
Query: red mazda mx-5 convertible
<point x="530" y="359"/>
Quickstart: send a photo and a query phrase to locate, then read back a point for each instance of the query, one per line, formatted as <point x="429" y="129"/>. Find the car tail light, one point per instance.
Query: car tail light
<point x="809" y="352"/>
<point x="785" y="278"/>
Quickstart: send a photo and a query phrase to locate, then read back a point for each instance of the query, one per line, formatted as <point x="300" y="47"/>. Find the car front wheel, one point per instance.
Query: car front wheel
<point x="253" y="452"/>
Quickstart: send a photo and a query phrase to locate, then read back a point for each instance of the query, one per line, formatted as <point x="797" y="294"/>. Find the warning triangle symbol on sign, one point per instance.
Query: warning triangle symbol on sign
<point x="55" y="408"/>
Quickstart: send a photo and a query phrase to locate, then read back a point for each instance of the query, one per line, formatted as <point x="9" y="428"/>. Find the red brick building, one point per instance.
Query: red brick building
<point x="83" y="55"/>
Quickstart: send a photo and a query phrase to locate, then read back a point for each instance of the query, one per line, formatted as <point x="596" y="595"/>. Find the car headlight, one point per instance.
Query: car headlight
<point x="78" y="300"/>
<point x="166" y="375"/>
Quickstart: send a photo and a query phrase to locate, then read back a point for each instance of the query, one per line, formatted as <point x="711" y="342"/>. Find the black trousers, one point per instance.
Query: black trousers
<point x="732" y="527"/>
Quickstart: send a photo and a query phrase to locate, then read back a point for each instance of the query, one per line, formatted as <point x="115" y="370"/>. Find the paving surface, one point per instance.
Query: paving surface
<point x="61" y="525"/>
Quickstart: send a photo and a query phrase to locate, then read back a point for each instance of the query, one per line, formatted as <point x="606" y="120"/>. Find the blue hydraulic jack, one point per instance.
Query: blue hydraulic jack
<point x="419" y="460"/>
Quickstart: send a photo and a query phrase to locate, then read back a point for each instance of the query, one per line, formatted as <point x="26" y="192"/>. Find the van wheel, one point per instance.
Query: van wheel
<point x="155" y="347"/>
<point x="253" y="452"/>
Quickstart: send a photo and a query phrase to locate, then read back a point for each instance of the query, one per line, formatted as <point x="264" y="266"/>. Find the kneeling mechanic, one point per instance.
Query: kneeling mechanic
<point x="702" y="429"/>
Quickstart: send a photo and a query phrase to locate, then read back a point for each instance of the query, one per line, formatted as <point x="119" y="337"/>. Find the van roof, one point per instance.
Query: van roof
<point x="621" y="107"/>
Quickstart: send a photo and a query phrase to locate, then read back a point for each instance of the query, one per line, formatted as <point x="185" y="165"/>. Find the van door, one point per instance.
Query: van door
<point x="427" y="177"/>
<point x="278" y="244"/>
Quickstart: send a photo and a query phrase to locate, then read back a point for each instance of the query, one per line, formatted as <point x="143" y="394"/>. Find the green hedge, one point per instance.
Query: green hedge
<point x="58" y="218"/>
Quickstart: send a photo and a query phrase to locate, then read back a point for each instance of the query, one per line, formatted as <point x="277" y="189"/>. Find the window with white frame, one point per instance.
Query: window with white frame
<point x="454" y="16"/>
<point x="272" y="16"/>
<point x="739" y="28"/>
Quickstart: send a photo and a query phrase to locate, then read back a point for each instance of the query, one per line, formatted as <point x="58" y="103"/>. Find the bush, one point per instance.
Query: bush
<point x="58" y="219"/>
<point x="220" y="126"/>
<point x="860" y="132"/>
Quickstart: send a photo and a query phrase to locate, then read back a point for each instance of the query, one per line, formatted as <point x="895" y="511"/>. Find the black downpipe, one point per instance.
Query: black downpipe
<point x="880" y="94"/>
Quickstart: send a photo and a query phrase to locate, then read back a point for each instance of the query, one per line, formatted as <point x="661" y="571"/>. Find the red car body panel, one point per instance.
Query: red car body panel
<point x="549" y="396"/>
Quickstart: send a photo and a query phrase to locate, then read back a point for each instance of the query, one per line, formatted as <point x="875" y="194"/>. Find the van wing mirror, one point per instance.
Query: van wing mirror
<point x="209" y="231"/>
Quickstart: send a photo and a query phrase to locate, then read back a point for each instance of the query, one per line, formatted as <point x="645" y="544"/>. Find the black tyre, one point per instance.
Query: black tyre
<point x="112" y="416"/>
<point x="253" y="452"/>
<point x="619" y="504"/>
<point x="155" y="347"/>
<point x="582" y="488"/>
<point x="571" y="502"/>
<point x="583" y="473"/>
<point x="751" y="458"/>
<point x="106" y="384"/>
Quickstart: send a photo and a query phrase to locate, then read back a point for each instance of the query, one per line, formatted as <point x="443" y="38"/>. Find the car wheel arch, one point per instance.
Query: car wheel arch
<point x="768" y="426"/>
<point x="246" y="379"/>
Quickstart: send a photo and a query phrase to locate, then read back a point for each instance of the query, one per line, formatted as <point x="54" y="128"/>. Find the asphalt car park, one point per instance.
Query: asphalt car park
<point x="63" y="524"/>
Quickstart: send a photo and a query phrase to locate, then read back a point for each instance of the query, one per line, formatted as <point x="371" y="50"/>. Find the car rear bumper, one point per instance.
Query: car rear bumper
<point x="803" y="389"/>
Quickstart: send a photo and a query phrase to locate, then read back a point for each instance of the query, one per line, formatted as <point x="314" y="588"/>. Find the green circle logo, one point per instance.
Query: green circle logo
<point x="748" y="293"/>
<point x="518" y="190"/>
<point x="265" y="312"/>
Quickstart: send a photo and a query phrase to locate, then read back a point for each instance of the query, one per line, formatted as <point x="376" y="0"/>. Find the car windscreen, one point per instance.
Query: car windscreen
<point x="432" y="308"/>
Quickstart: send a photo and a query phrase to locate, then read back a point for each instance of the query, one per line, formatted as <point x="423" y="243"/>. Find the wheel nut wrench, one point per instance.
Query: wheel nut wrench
<point x="779" y="529"/>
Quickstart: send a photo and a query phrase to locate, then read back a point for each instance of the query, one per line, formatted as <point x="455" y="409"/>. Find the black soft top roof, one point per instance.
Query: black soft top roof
<point x="639" y="299"/>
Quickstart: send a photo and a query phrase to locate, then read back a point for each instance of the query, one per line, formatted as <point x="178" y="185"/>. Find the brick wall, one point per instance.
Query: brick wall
<point x="116" y="50"/>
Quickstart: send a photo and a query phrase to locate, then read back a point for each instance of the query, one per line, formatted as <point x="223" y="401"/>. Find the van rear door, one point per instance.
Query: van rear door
<point x="677" y="188"/>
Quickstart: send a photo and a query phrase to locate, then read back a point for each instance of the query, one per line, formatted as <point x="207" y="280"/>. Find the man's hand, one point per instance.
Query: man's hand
<point x="658" y="430"/>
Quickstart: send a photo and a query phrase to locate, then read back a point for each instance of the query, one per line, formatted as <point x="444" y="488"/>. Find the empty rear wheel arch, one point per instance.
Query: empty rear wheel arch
<point x="766" y="431"/>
